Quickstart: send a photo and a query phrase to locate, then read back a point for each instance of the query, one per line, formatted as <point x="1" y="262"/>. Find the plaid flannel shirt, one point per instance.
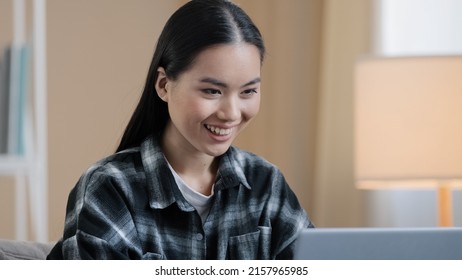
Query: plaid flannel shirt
<point x="128" y="206"/>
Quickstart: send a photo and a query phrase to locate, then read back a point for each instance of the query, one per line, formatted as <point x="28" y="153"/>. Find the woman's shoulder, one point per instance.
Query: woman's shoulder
<point x="123" y="164"/>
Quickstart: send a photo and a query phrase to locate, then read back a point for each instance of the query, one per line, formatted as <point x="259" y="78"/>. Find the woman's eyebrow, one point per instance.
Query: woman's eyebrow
<point x="254" y="81"/>
<point x="224" y="85"/>
<point x="214" y="82"/>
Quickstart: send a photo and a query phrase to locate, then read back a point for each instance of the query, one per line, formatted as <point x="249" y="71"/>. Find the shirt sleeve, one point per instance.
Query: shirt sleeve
<point x="98" y="222"/>
<point x="289" y="218"/>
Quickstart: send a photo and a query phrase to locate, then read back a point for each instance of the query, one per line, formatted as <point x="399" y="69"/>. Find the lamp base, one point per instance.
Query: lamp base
<point x="444" y="194"/>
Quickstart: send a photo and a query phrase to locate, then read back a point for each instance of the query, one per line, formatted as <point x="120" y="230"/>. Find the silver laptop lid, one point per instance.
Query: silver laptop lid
<point x="379" y="244"/>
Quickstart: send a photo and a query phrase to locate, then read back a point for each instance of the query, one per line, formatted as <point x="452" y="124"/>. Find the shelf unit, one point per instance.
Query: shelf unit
<point x="30" y="171"/>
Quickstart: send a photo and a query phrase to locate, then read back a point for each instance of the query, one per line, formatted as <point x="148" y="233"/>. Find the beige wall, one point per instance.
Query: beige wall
<point x="98" y="55"/>
<point x="346" y="35"/>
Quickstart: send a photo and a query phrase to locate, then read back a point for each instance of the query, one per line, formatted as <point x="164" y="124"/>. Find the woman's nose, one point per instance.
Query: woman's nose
<point x="229" y="109"/>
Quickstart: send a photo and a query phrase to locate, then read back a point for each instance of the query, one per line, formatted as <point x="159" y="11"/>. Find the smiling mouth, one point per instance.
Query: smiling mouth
<point x="218" y="131"/>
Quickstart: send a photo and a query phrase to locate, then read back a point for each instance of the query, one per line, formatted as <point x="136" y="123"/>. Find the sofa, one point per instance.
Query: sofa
<point x="24" y="250"/>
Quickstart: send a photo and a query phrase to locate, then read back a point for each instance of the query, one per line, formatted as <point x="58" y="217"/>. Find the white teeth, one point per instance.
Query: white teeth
<point x="218" y="131"/>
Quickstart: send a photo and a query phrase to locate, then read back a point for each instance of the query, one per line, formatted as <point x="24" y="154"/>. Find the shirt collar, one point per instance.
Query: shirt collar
<point x="230" y="170"/>
<point x="160" y="179"/>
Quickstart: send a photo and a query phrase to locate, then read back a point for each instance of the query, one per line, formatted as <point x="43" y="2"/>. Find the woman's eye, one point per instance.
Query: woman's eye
<point x="249" y="91"/>
<point x="211" y="91"/>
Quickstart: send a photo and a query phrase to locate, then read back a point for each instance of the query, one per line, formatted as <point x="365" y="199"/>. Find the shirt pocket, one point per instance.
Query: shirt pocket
<point x="152" y="256"/>
<point x="251" y="246"/>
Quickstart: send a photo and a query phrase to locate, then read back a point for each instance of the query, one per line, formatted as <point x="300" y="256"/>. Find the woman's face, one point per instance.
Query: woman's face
<point x="211" y="102"/>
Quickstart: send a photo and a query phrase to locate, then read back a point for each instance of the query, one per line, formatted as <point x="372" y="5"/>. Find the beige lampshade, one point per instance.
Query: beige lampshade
<point x="408" y="121"/>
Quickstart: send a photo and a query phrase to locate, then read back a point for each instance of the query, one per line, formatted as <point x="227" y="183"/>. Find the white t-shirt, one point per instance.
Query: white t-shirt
<point x="197" y="200"/>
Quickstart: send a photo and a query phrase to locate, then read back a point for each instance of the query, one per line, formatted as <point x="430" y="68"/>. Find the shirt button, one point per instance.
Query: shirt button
<point x="199" y="236"/>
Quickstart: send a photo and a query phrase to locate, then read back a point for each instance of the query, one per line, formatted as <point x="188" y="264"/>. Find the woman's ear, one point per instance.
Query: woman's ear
<point x="161" y="84"/>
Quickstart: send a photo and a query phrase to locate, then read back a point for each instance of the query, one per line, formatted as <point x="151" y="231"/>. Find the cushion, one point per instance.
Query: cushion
<point x="23" y="250"/>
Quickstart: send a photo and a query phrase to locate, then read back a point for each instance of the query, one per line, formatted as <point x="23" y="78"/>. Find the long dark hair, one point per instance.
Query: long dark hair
<point x="194" y="27"/>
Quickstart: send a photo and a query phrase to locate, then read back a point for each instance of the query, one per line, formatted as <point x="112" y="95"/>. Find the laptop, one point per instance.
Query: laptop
<point x="379" y="244"/>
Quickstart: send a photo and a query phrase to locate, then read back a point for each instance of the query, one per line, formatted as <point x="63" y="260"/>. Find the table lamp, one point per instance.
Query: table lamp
<point x="408" y="125"/>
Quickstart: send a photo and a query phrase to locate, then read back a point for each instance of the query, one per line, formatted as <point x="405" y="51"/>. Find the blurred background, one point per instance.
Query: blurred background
<point x="98" y="53"/>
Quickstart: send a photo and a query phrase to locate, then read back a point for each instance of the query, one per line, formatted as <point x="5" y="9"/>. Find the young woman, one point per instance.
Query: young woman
<point x="176" y="188"/>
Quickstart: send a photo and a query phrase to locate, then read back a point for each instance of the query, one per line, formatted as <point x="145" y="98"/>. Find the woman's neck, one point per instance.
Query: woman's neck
<point x="197" y="169"/>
